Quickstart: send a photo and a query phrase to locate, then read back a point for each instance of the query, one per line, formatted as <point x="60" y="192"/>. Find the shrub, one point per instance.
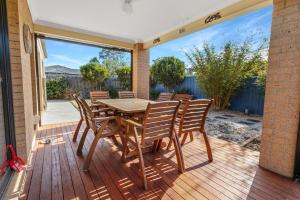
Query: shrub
<point x="183" y="91"/>
<point x="56" y="89"/>
<point x="113" y="92"/>
<point x="262" y="75"/>
<point x="94" y="73"/>
<point x="221" y="74"/>
<point x="261" y="78"/>
<point x="124" y="76"/>
<point x="169" y="71"/>
<point x="154" y="94"/>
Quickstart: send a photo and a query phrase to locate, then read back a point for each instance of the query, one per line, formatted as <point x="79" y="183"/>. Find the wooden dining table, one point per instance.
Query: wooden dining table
<point x="131" y="107"/>
<point x="128" y="106"/>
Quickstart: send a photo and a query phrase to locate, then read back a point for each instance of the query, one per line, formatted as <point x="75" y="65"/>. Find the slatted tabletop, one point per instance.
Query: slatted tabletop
<point x="129" y="106"/>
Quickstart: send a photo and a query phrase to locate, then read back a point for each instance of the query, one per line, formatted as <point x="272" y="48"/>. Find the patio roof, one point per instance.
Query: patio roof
<point x="136" y="23"/>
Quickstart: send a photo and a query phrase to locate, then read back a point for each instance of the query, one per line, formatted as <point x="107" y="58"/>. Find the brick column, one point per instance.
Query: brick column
<point x="140" y="74"/>
<point x="282" y="100"/>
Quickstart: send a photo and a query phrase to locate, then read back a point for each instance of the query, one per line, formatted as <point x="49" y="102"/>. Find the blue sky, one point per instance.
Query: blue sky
<point x="255" y="25"/>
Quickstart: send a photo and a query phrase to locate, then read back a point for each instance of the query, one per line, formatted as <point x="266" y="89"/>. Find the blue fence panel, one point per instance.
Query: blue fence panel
<point x="248" y="97"/>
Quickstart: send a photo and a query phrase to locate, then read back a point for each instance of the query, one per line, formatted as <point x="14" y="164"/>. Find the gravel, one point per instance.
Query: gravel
<point x="234" y="127"/>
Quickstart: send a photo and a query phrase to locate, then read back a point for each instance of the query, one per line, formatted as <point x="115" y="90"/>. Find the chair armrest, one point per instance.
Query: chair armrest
<point x="100" y="110"/>
<point x="131" y="122"/>
<point x="101" y="119"/>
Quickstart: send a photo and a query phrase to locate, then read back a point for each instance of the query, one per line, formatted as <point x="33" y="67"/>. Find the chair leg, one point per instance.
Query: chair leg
<point x="179" y="155"/>
<point x="77" y="130"/>
<point x="209" y="153"/>
<point x="159" y="145"/>
<point x="170" y="144"/>
<point x="141" y="160"/>
<point x="125" y="142"/>
<point x="155" y="144"/>
<point x="88" y="159"/>
<point x="191" y="136"/>
<point x="81" y="143"/>
<point x="125" y="150"/>
<point x="184" y="138"/>
<point x="114" y="139"/>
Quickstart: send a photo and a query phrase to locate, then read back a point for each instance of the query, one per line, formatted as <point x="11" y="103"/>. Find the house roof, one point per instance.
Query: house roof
<point x="145" y="21"/>
<point x="58" y="69"/>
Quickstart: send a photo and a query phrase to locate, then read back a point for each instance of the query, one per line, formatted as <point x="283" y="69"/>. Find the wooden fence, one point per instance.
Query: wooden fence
<point x="76" y="84"/>
<point x="249" y="97"/>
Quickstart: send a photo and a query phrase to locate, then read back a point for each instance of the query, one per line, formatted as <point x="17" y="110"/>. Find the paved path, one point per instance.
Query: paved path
<point x="59" y="111"/>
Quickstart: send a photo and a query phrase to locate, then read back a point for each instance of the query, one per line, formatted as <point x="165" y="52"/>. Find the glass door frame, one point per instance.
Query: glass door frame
<point x="5" y="72"/>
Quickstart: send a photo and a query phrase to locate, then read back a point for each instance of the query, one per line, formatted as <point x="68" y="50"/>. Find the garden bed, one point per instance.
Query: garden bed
<point x="235" y="127"/>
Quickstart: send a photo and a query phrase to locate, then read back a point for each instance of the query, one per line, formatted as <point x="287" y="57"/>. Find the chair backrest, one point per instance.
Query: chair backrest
<point x="126" y="94"/>
<point x="88" y="114"/>
<point x="158" y="120"/>
<point x="194" y="115"/>
<point x="75" y="97"/>
<point x="165" y="96"/>
<point x="95" y="95"/>
<point x="183" y="98"/>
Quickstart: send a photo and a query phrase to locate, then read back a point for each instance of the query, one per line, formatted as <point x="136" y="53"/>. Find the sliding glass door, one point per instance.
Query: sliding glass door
<point x="7" y="128"/>
<point x="2" y="140"/>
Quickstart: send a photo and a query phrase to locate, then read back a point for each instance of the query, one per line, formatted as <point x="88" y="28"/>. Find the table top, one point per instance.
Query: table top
<point x="131" y="105"/>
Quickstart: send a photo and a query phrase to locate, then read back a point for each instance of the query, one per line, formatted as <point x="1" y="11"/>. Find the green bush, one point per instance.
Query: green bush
<point x="169" y="71"/>
<point x="183" y="91"/>
<point x="94" y="73"/>
<point x="113" y="92"/>
<point x="221" y="73"/>
<point x="154" y="95"/>
<point x="56" y="89"/>
<point x="124" y="76"/>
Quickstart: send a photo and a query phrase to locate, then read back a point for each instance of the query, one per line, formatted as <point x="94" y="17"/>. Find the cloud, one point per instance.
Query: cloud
<point x="64" y="60"/>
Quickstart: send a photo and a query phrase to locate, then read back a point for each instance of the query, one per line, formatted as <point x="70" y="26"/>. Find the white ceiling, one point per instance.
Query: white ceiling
<point x="149" y="19"/>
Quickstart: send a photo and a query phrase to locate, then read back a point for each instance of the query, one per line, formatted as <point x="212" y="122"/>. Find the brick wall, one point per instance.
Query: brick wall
<point x="140" y="74"/>
<point x="21" y="66"/>
<point x="282" y="100"/>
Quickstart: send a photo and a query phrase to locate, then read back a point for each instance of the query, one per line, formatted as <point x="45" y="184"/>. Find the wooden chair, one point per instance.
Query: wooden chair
<point x="98" y="95"/>
<point x="126" y="94"/>
<point x="193" y="119"/>
<point x="102" y="127"/>
<point x="158" y="123"/>
<point x="96" y="112"/>
<point x="95" y="95"/>
<point x="183" y="98"/>
<point x="164" y="96"/>
<point x="75" y="135"/>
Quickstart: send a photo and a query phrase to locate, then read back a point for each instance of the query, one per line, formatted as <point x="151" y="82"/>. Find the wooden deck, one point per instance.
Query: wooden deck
<point x="55" y="173"/>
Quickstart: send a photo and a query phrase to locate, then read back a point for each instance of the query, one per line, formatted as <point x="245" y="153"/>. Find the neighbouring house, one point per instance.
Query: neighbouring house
<point x="56" y="71"/>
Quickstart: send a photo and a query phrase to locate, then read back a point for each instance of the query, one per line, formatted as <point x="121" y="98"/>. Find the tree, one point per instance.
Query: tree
<point x="106" y="53"/>
<point x="113" y="59"/>
<point x="124" y="76"/>
<point x="221" y="73"/>
<point x="94" y="73"/>
<point x="169" y="71"/>
<point x="94" y="59"/>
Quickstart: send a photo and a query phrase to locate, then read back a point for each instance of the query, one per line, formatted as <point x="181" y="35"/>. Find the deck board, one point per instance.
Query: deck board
<point x="55" y="172"/>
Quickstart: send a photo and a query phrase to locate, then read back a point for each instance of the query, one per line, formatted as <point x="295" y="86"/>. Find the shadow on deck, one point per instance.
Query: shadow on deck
<point x="55" y="172"/>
